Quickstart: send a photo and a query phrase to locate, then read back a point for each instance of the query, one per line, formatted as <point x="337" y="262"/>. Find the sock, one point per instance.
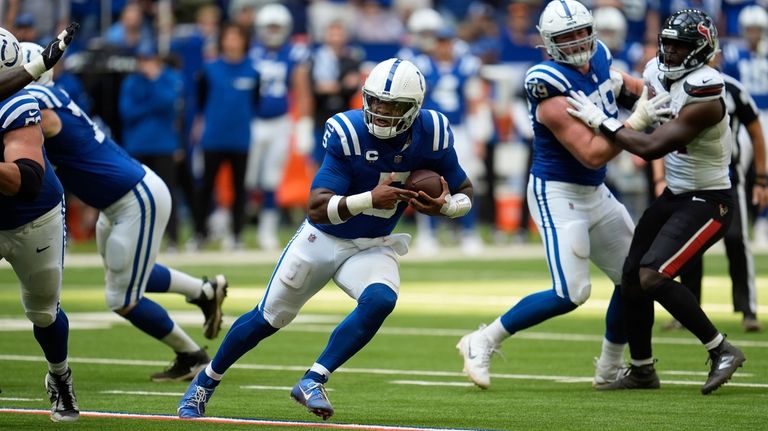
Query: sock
<point x="269" y="202"/>
<point x="496" y="332"/>
<point x="356" y="330"/>
<point x="163" y="279"/>
<point x="639" y="315"/>
<point x="684" y="307"/>
<point x="534" y="309"/>
<point x="151" y="318"/>
<point x="641" y="362"/>
<point x="213" y="375"/>
<point x="715" y="342"/>
<point x="247" y="331"/>
<point x="612" y="353"/>
<point x="615" y="320"/>
<point x="59" y="368"/>
<point x="53" y="338"/>
<point x="318" y="373"/>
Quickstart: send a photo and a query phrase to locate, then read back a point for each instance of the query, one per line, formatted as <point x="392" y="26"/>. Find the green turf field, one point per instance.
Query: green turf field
<point x="408" y="376"/>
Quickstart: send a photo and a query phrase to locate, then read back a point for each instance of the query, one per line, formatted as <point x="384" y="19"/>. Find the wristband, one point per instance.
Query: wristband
<point x="36" y="67"/>
<point x="333" y="210"/>
<point x="611" y="127"/>
<point x="456" y="205"/>
<point x="359" y="203"/>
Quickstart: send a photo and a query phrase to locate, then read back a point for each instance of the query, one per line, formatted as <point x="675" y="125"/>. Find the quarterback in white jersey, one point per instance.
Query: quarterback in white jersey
<point x="695" y="209"/>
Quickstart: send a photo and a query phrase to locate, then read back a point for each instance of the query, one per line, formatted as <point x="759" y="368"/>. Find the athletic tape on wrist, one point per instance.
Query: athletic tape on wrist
<point x="333" y="210"/>
<point x="456" y="205"/>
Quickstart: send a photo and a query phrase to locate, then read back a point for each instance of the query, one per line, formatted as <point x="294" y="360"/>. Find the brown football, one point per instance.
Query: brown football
<point x="426" y="181"/>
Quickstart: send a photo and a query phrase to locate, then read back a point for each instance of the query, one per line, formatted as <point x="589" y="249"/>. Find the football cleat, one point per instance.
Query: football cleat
<point x="477" y="349"/>
<point x="635" y="377"/>
<point x="607" y="372"/>
<point x="193" y="403"/>
<point x="725" y="359"/>
<point x="210" y="300"/>
<point x="183" y="367"/>
<point x="312" y="395"/>
<point x="62" y="396"/>
<point x="751" y="324"/>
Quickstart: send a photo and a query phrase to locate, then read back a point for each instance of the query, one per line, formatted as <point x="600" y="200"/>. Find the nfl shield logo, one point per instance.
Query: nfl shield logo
<point x="312" y="237"/>
<point x="398" y="158"/>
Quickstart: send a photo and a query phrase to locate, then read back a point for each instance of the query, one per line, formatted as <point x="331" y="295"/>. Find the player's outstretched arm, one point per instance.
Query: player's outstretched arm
<point x="14" y="79"/>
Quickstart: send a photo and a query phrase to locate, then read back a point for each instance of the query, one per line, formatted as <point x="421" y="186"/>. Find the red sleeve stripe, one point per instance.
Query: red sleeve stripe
<point x="706" y="91"/>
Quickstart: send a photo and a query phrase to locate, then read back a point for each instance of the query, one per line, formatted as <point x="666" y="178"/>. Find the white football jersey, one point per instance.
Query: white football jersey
<point x="703" y="163"/>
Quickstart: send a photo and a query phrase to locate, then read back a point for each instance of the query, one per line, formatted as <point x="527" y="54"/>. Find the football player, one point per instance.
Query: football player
<point x="283" y="67"/>
<point x="579" y="218"/>
<point x="32" y="230"/>
<point x="355" y="202"/>
<point x="134" y="206"/>
<point x="695" y="209"/>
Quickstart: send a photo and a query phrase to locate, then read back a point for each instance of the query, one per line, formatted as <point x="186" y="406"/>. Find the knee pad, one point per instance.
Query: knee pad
<point x="116" y="254"/>
<point x="377" y="300"/>
<point x="42" y="319"/>
<point x="579" y="295"/>
<point x="578" y="236"/>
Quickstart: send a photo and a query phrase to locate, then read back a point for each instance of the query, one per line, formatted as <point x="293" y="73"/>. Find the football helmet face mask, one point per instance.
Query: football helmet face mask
<point x="560" y="18"/>
<point x="392" y="97"/>
<point x="274" y="24"/>
<point x="10" y="50"/>
<point x="30" y="50"/>
<point x="687" y="41"/>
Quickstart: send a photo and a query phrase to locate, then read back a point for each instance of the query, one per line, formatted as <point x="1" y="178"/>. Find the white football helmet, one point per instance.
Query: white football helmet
<point x="423" y="24"/>
<point x="274" y="24"/>
<point x="611" y="27"/>
<point x="753" y="16"/>
<point x="30" y="50"/>
<point x="10" y="50"/>
<point x="392" y="97"/>
<point x="562" y="17"/>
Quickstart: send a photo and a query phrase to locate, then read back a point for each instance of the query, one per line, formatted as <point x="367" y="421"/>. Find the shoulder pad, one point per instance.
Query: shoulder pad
<point x="18" y="111"/>
<point x="436" y="129"/>
<point x="341" y="137"/>
<point x="608" y="55"/>
<point x="48" y="97"/>
<point x="703" y="83"/>
<point x="544" y="81"/>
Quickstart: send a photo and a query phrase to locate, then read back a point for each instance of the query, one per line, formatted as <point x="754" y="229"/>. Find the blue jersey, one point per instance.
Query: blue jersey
<point x="356" y="162"/>
<point x="275" y="70"/>
<point x="90" y="165"/>
<point x="17" y="111"/>
<point x="551" y="160"/>
<point x="446" y="84"/>
<point x="749" y="68"/>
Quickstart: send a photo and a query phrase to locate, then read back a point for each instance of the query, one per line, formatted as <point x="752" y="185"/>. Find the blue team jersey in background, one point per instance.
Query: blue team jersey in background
<point x="275" y="69"/>
<point x="356" y="161"/>
<point x="18" y="111"/>
<point x="751" y="69"/>
<point x="551" y="160"/>
<point x="90" y="165"/>
<point x="446" y="84"/>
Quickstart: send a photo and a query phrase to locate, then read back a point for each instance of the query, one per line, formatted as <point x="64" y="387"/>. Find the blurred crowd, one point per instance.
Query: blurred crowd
<point x="148" y="72"/>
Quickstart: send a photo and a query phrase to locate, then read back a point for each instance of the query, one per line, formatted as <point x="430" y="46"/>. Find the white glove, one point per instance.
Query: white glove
<point x="585" y="110"/>
<point x="617" y="81"/>
<point x="648" y="112"/>
<point x="304" y="136"/>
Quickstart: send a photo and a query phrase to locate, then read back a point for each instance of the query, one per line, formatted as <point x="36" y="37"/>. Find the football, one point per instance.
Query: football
<point x="426" y="181"/>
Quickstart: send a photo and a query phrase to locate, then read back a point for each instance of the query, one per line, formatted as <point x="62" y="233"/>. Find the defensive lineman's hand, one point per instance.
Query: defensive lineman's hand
<point x="55" y="48"/>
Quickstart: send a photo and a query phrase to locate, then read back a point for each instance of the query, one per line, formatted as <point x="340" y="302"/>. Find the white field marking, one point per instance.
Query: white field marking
<point x="429" y="383"/>
<point x="273" y="388"/>
<point x="325" y="324"/>
<point x="159" y="394"/>
<point x="374" y="371"/>
<point x="218" y="420"/>
<point x="21" y="399"/>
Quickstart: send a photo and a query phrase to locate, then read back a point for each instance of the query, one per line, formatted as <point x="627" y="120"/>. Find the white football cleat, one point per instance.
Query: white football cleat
<point x="607" y="372"/>
<point x="477" y="349"/>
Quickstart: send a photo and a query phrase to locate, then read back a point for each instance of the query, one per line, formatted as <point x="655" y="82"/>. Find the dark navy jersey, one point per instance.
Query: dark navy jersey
<point x="356" y="162"/>
<point x="551" y="160"/>
<point x="90" y="165"/>
<point x="22" y="110"/>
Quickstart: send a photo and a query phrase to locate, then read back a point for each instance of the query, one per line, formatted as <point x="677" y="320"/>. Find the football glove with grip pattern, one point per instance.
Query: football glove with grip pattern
<point x="52" y="52"/>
